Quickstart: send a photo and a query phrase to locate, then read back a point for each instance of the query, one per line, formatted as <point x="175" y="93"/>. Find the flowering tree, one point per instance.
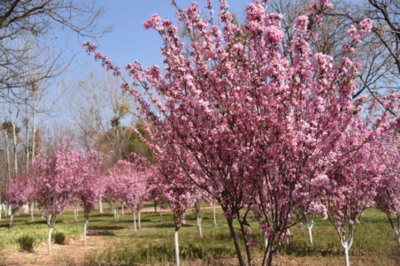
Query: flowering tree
<point x="388" y="192"/>
<point x="352" y="188"/>
<point x="134" y="188"/>
<point x="112" y="192"/>
<point x="19" y="191"/>
<point x="91" y="185"/>
<point x="174" y="187"/>
<point x="55" y="180"/>
<point x="262" y="121"/>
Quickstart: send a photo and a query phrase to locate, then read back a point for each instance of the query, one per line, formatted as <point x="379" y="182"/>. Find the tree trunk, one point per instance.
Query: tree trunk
<point x="269" y="259"/>
<point x="115" y="214"/>
<point x="100" y="207"/>
<point x="237" y="248"/>
<point x="199" y="226"/>
<point x="32" y="209"/>
<point x="265" y="240"/>
<point x="396" y="232"/>
<point x="160" y="214"/>
<point x="34" y="124"/>
<point x="49" y="240"/>
<point x="134" y="222"/>
<point x="346" y="243"/>
<point x="398" y="238"/>
<point x="75" y="218"/>
<point x="242" y="229"/>
<point x="122" y="210"/>
<point x="14" y="135"/>
<point x="1" y="207"/>
<point x="176" y="248"/>
<point x="84" y="232"/>
<point x="140" y="227"/>
<point x="215" y="219"/>
<point x="155" y="205"/>
<point x="310" y="226"/>
<point x="11" y="218"/>
<point x="27" y="132"/>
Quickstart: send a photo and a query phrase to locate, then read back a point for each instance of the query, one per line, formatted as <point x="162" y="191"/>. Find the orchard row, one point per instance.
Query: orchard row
<point x="247" y="117"/>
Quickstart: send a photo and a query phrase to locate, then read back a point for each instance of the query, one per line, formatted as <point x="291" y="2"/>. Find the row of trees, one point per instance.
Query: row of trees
<point x="261" y="123"/>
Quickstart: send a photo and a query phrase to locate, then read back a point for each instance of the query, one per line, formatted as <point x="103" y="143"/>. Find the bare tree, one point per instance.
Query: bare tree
<point x="381" y="53"/>
<point x="32" y="21"/>
<point x="97" y="105"/>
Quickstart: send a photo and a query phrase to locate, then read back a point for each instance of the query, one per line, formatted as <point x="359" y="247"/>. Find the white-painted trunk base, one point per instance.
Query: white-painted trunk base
<point x="134" y="223"/>
<point x="215" y="219"/>
<point x="176" y="248"/>
<point x="199" y="226"/>
<point x="100" y="206"/>
<point x="84" y="232"/>
<point x="122" y="211"/>
<point x="32" y="209"/>
<point x="11" y="218"/>
<point x="49" y="241"/>
<point x="397" y="233"/>
<point x="265" y="241"/>
<point x="310" y="226"/>
<point x="26" y="208"/>
<point x="140" y="227"/>
<point x="346" y="243"/>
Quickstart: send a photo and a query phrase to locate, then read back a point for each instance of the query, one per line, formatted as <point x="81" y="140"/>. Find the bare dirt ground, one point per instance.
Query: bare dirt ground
<point x="71" y="253"/>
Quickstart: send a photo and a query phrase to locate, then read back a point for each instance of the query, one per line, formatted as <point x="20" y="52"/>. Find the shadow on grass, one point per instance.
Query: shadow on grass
<point x="93" y="227"/>
<point x="99" y="233"/>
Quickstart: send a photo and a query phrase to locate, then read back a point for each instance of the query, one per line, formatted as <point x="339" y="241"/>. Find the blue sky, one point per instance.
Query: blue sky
<point x="129" y="41"/>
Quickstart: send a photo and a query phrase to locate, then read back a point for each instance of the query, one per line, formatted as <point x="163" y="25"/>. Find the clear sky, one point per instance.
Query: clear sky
<point x="129" y="41"/>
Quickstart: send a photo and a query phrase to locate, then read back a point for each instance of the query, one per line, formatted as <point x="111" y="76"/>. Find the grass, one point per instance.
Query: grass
<point x="374" y="242"/>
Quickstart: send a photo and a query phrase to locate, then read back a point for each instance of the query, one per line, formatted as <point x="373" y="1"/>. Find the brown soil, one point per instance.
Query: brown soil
<point x="71" y="253"/>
